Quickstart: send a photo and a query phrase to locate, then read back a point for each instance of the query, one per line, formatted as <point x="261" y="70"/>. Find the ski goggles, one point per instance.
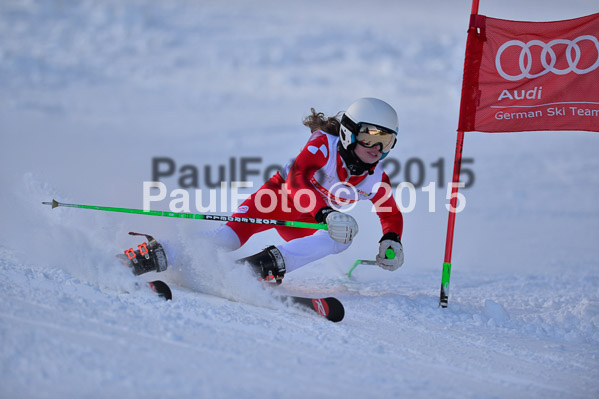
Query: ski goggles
<point x="369" y="135"/>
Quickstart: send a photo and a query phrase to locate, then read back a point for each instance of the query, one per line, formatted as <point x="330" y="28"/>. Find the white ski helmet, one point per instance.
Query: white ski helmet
<point x="370" y="121"/>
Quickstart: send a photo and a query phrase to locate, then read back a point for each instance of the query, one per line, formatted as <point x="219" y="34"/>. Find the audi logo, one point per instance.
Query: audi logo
<point x="573" y="56"/>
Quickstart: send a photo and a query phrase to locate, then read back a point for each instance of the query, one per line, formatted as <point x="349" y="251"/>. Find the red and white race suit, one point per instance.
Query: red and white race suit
<point x="317" y="178"/>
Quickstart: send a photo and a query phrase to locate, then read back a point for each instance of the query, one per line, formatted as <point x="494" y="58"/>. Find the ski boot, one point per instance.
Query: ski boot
<point x="148" y="257"/>
<point x="267" y="264"/>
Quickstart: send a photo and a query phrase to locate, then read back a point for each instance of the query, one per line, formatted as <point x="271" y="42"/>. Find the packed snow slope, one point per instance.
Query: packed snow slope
<point x="93" y="92"/>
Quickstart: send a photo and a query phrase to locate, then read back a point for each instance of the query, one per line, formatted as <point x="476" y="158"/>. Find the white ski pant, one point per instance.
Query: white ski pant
<point x="297" y="253"/>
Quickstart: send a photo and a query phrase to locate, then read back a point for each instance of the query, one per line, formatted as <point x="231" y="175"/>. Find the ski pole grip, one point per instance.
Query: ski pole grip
<point x="389" y="253"/>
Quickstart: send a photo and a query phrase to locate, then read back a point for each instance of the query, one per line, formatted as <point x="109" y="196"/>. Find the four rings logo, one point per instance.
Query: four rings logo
<point x="573" y="56"/>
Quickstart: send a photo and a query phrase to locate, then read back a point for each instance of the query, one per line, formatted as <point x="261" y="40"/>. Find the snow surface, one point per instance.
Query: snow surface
<point x="92" y="91"/>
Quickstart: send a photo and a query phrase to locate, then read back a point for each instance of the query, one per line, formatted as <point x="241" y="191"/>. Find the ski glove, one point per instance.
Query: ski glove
<point x="342" y="227"/>
<point x="390" y="241"/>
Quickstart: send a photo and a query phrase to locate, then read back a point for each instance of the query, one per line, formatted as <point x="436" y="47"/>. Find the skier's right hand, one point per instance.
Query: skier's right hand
<point x="341" y="226"/>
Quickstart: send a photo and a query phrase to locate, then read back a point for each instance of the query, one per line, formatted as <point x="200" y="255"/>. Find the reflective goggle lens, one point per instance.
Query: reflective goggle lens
<point x="371" y="135"/>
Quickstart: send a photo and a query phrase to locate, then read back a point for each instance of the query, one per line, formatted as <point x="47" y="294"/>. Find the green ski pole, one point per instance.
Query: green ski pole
<point x="197" y="216"/>
<point x="389" y="254"/>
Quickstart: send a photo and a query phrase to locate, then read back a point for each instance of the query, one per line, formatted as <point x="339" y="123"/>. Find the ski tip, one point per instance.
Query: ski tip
<point x="336" y="310"/>
<point x="162" y="289"/>
<point x="329" y="308"/>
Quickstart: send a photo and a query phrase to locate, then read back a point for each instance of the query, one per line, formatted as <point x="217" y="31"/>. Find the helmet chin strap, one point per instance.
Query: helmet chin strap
<point x="355" y="165"/>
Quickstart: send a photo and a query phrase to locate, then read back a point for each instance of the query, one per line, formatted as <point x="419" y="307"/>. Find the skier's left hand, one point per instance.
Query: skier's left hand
<point x="390" y="241"/>
<point x="341" y="226"/>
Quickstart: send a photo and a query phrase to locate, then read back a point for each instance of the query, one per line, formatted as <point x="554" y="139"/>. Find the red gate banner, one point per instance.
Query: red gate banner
<point x="525" y="76"/>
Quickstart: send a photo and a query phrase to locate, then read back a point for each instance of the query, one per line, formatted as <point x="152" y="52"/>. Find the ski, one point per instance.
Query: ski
<point x="161" y="289"/>
<point x="329" y="308"/>
<point x="158" y="287"/>
<point x="150" y="256"/>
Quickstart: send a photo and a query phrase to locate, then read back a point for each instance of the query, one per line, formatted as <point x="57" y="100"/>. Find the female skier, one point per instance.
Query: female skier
<point x="338" y="166"/>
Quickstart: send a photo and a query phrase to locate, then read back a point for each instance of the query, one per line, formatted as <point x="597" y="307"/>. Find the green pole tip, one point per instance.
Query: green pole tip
<point x="356" y="263"/>
<point x="54" y="203"/>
